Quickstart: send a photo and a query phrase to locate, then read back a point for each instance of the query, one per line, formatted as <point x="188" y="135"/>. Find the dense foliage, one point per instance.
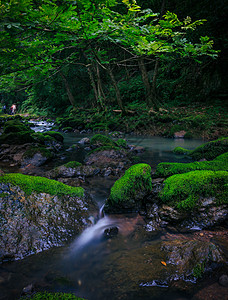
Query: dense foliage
<point x="66" y="54"/>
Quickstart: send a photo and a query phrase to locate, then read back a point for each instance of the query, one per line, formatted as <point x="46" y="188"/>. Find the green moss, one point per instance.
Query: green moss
<point x="183" y="191"/>
<point x="73" y="164"/>
<point x="33" y="150"/>
<point x="121" y="143"/>
<point x="199" y="269"/>
<point x="135" y="178"/>
<point x="38" y="184"/>
<point x="180" y="150"/>
<point x="208" y="150"/>
<point x="220" y="163"/>
<point x="67" y="129"/>
<point x="15" y="126"/>
<point x="56" y="135"/>
<point x="16" y="138"/>
<point x="101" y="140"/>
<point x="42" y="138"/>
<point x="52" y="296"/>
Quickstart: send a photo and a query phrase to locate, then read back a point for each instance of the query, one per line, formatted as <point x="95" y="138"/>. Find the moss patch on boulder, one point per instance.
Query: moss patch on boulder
<point x="220" y="163"/>
<point x="208" y="150"/>
<point x="38" y="184"/>
<point x="101" y="140"/>
<point x="128" y="192"/>
<point x="56" y="135"/>
<point x="16" y="138"/>
<point x="183" y="191"/>
<point x="73" y="164"/>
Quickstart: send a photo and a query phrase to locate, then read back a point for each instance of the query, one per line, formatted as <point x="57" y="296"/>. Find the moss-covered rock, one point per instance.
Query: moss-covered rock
<point x="121" y="143"/>
<point x="56" y="135"/>
<point x="38" y="213"/>
<point x="15" y="126"/>
<point x="72" y="164"/>
<point x="208" y="151"/>
<point x="39" y="184"/>
<point x="128" y="192"/>
<point x="183" y="191"/>
<point x="220" y="163"/>
<point x="101" y="140"/>
<point x="16" y="138"/>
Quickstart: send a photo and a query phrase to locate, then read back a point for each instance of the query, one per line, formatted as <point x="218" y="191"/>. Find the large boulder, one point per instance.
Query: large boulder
<point x="38" y="213"/>
<point x="128" y="192"/>
<point x="72" y="169"/>
<point x="190" y="201"/>
<point x="191" y="259"/>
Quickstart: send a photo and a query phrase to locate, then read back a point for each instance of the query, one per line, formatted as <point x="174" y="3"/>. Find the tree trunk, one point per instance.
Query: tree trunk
<point x="151" y="95"/>
<point x="93" y="83"/>
<point x="101" y="94"/>
<point x="118" y="96"/>
<point x="70" y="95"/>
<point x="146" y="81"/>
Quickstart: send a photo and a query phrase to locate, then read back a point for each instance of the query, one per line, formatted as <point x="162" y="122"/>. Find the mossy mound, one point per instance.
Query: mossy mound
<point x="52" y="296"/>
<point x="73" y="164"/>
<point x="220" y="163"/>
<point x="15" y="126"/>
<point x="101" y="140"/>
<point x="30" y="152"/>
<point x="209" y="150"/>
<point x="16" y="138"/>
<point x="128" y="192"/>
<point x="121" y="143"/>
<point x="56" y="135"/>
<point x="183" y="191"/>
<point x="38" y="184"/>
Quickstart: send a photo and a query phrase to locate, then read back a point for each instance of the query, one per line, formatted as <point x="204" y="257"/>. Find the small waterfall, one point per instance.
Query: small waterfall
<point x="92" y="233"/>
<point x="101" y="212"/>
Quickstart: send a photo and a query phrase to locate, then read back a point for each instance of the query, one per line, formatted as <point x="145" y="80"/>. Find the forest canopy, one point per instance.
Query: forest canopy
<point x="88" y="52"/>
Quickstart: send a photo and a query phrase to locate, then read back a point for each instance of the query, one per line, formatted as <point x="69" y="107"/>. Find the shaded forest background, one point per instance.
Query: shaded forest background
<point x="178" y="82"/>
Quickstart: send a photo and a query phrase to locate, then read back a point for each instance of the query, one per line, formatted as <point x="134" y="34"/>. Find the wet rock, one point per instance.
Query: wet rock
<point x="84" y="141"/>
<point x="110" y="232"/>
<point x="223" y="280"/>
<point x="168" y="213"/>
<point x="69" y="172"/>
<point x="37" y="160"/>
<point x="192" y="258"/>
<point x="180" y="134"/>
<point x="34" y="222"/>
<point x="212" y="292"/>
<point x="108" y="158"/>
<point x="136" y="149"/>
<point x="27" y="290"/>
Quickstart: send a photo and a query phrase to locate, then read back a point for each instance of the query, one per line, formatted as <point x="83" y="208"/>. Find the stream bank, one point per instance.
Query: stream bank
<point x="134" y="250"/>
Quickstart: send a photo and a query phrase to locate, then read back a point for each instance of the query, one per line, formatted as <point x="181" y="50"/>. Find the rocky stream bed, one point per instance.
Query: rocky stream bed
<point x="146" y="246"/>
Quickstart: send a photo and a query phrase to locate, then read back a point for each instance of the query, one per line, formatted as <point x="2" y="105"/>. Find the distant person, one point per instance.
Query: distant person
<point x="4" y="109"/>
<point x="13" y="109"/>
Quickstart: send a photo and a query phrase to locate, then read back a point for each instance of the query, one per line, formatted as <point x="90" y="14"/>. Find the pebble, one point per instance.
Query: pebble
<point x="223" y="280"/>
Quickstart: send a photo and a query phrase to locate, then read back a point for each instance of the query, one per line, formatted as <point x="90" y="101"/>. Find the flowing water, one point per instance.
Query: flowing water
<point x="93" y="266"/>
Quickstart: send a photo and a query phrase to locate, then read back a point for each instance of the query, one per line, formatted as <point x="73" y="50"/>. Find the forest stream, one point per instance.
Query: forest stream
<point x="96" y="267"/>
